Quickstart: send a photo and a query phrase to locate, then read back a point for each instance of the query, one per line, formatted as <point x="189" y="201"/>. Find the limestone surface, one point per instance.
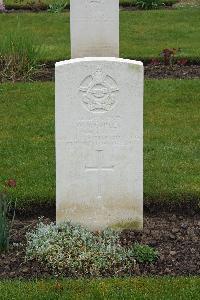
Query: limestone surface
<point x="94" y="28"/>
<point x="99" y="142"/>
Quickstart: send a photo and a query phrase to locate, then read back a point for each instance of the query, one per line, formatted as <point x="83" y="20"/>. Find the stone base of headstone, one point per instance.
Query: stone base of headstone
<point x="99" y="143"/>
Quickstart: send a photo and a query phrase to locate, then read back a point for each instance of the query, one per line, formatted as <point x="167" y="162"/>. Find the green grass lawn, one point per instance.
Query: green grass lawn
<point x="138" y="288"/>
<point x="171" y="141"/>
<point x="143" y="34"/>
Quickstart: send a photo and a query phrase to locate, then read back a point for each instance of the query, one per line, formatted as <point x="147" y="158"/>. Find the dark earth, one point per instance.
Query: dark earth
<point x="175" y="236"/>
<point x="41" y="7"/>
<point x="159" y="71"/>
<point x="46" y="72"/>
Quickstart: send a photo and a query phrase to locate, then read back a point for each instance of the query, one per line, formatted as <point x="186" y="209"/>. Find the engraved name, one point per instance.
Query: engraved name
<point x="108" y="123"/>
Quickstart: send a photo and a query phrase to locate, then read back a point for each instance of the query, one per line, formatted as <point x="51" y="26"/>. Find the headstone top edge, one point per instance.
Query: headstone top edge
<point x="98" y="59"/>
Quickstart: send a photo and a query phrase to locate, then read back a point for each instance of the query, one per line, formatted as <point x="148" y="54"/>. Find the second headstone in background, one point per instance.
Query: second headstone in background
<point x="94" y="28"/>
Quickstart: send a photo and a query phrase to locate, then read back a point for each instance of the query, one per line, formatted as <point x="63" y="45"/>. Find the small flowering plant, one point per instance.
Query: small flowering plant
<point x="154" y="62"/>
<point x="73" y="250"/>
<point x="2" y="7"/>
<point x="168" y="55"/>
<point x="5" y="205"/>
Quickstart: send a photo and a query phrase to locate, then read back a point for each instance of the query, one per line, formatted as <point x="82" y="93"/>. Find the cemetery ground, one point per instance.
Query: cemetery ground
<point x="44" y="4"/>
<point x="137" y="288"/>
<point x="171" y="159"/>
<point x="171" y="145"/>
<point x="171" y="172"/>
<point x="169" y="29"/>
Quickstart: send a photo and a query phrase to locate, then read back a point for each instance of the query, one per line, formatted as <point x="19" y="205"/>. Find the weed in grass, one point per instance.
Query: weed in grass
<point x="5" y="206"/>
<point x="18" y="57"/>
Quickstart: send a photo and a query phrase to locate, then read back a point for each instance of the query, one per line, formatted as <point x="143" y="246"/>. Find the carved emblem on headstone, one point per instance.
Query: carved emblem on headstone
<point x="98" y="92"/>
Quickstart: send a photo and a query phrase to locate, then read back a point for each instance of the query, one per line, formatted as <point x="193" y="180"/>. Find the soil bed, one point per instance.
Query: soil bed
<point x="151" y="71"/>
<point x="175" y="236"/>
<point x="47" y="73"/>
<point x="176" y="71"/>
<point x="43" y="8"/>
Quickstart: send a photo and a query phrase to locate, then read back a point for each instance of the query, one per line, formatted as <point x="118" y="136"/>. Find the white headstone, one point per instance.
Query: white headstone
<point x="99" y="142"/>
<point x="94" y="28"/>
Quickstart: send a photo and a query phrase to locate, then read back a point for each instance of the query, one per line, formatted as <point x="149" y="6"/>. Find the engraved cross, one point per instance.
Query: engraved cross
<point x="99" y="168"/>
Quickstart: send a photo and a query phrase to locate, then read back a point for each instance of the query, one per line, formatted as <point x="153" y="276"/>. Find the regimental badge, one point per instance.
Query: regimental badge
<point x="99" y="92"/>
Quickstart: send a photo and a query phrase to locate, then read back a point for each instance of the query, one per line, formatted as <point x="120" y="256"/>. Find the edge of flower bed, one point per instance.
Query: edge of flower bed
<point x="44" y="7"/>
<point x="189" y="207"/>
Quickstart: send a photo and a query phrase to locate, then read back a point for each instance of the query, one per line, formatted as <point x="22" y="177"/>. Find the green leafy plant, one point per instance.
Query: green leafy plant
<point x="34" y="5"/>
<point x="18" y="57"/>
<point x="4" y="227"/>
<point x="75" y="251"/>
<point x="5" y="207"/>
<point x="57" y="7"/>
<point x="144" y="253"/>
<point x="149" y="4"/>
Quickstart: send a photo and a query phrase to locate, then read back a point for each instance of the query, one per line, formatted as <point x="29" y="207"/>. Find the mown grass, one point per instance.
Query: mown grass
<point x="27" y="140"/>
<point x="171" y="141"/>
<point x="143" y="34"/>
<point x="138" y="288"/>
